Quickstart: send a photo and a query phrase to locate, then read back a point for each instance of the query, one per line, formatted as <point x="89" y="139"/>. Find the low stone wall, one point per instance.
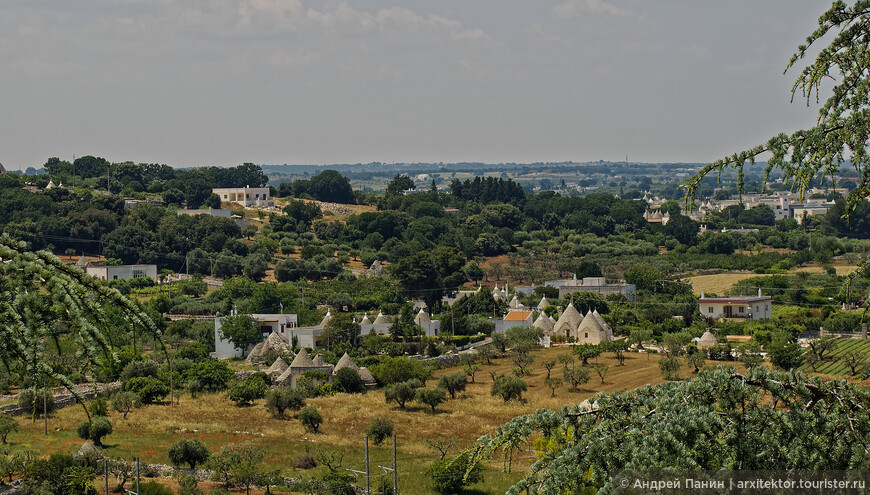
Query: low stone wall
<point x="63" y="397"/>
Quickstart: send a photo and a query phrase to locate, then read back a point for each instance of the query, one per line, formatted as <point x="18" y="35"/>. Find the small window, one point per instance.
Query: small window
<point x="710" y="310"/>
<point x="114" y="277"/>
<point x="586" y="335"/>
<point x="740" y="309"/>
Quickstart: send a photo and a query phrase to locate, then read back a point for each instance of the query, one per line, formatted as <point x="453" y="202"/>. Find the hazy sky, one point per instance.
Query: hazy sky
<point x="221" y="82"/>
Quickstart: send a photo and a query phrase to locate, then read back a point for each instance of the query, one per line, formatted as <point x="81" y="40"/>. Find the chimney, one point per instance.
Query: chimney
<point x="702" y="294"/>
<point x="759" y="292"/>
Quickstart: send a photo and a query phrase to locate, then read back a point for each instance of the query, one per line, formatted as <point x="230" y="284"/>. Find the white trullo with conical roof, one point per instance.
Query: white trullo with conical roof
<point x="591" y="331"/>
<point x="422" y="318"/>
<point x="568" y="322"/>
<point x="496" y="293"/>
<point x="544" y="303"/>
<point x="707" y="340"/>
<point x="544" y="323"/>
<point x="603" y="324"/>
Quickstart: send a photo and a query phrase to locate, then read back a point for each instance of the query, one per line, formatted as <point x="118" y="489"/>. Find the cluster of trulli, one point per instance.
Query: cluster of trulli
<point x="589" y="329"/>
<point x="284" y="375"/>
<point x="381" y="325"/>
<point x="498" y="294"/>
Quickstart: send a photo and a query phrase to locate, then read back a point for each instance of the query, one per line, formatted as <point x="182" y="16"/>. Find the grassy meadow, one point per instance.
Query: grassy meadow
<point x="149" y="431"/>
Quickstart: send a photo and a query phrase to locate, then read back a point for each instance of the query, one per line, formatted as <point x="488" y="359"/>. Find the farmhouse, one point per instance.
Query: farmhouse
<point x="277" y="330"/>
<point x="742" y="307"/>
<point x="598" y="285"/>
<point x="245" y="196"/>
<point x="514" y="318"/>
<point x="122" y="272"/>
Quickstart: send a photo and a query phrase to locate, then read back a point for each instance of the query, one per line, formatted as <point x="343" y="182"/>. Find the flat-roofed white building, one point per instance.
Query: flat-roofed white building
<point x="741" y="307"/>
<point x="246" y="196"/>
<point x="282" y="325"/>
<point x="122" y="272"/>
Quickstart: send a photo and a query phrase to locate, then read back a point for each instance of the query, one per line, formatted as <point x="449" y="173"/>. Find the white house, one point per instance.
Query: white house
<point x="122" y="272"/>
<point x="279" y="324"/>
<point x="514" y="318"/>
<point x="743" y="307"/>
<point x="597" y="285"/>
<point x="246" y="196"/>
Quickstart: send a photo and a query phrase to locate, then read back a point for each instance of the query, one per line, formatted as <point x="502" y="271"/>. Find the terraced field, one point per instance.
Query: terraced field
<point x="837" y="365"/>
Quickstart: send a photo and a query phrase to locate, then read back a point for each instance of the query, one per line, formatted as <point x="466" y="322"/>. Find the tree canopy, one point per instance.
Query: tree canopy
<point x="39" y="295"/>
<point x="722" y="420"/>
<point x="842" y="128"/>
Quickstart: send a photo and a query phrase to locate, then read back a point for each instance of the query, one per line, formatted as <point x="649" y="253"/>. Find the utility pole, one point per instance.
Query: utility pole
<point x="44" y="407"/>
<point x="106" y="473"/>
<point x="395" y="476"/>
<point x="368" y="487"/>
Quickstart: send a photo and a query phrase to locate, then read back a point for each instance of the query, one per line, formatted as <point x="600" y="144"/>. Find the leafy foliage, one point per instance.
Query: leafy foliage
<point x="281" y="399"/>
<point x="721" y="420"/>
<point x="188" y="451"/>
<point x="509" y="387"/>
<point x="451" y="475"/>
<point x="95" y="429"/>
<point x="380" y="429"/>
<point x="37" y="293"/>
<point x="311" y="418"/>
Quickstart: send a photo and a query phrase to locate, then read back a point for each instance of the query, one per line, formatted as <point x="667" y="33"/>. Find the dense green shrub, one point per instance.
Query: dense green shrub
<point x="509" y="387"/>
<point x="35" y="401"/>
<point x="245" y="393"/>
<point x="348" y="380"/>
<point x="380" y="429"/>
<point x="212" y="374"/>
<point x="95" y="429"/>
<point x="148" y="388"/>
<point x="311" y="418"/>
<point x="188" y="451"/>
<point x="281" y="399"/>
<point x="449" y="475"/>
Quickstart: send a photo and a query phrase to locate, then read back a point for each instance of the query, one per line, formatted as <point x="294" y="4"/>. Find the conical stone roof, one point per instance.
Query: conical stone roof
<point x="515" y="303"/>
<point x="544" y="303"/>
<point x="381" y="319"/>
<point x="422" y="318"/>
<point x="590" y="324"/>
<point x="603" y="323"/>
<point x="365" y="320"/>
<point x="346" y="362"/>
<point x="570" y="318"/>
<point x="707" y="340"/>
<point x="326" y="318"/>
<point x="278" y="367"/>
<point x="543" y="323"/>
<point x="367" y="376"/>
<point x="318" y="360"/>
<point x="303" y="360"/>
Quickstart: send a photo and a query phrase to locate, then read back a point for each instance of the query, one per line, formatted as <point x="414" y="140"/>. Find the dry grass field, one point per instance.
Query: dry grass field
<point x="148" y="432"/>
<point x="720" y="283"/>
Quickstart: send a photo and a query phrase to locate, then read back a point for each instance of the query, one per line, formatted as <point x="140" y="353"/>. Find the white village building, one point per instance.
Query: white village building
<point x="245" y="196"/>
